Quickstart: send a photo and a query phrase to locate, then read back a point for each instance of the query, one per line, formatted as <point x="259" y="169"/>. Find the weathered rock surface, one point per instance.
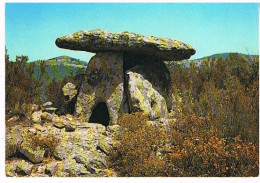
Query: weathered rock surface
<point x="103" y="41"/>
<point x="68" y="99"/>
<point x="47" y="104"/>
<point x="18" y="167"/>
<point x="13" y="139"/>
<point x="104" y="83"/>
<point x="148" y="91"/>
<point x="33" y="153"/>
<point x="36" y="116"/>
<point x="80" y="152"/>
<point x="69" y="90"/>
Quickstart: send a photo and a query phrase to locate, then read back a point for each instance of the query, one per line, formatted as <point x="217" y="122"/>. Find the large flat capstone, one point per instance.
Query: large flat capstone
<point x="97" y="40"/>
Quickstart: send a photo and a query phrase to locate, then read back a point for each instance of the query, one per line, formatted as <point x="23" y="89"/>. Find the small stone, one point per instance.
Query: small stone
<point x="51" y="168"/>
<point x="10" y="168"/>
<point x="24" y="167"/>
<point x="34" y="108"/>
<point x="47" y="116"/>
<point x="152" y="96"/>
<point x="70" y="127"/>
<point x="47" y="104"/>
<point x="38" y="127"/>
<point x="69" y="90"/>
<point x="50" y="109"/>
<point x="36" y="116"/>
<point x="32" y="130"/>
<point x="41" y="169"/>
<point x="98" y="162"/>
<point x="103" y="146"/>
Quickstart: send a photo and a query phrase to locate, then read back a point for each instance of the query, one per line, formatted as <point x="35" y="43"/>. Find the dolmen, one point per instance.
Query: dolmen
<point x="127" y="74"/>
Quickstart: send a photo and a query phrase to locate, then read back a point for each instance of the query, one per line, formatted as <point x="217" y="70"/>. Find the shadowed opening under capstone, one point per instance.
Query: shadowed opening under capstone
<point x="100" y="114"/>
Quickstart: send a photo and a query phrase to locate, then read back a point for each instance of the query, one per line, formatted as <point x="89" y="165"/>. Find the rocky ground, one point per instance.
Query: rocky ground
<point x="59" y="146"/>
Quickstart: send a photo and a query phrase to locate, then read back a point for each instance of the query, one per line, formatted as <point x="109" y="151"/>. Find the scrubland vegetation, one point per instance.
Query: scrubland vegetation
<point x="30" y="83"/>
<point x="214" y="131"/>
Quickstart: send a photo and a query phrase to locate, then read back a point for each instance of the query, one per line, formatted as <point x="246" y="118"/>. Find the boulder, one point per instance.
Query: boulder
<point x="64" y="121"/>
<point x="67" y="168"/>
<point x="33" y="152"/>
<point x="13" y="139"/>
<point x="103" y="85"/>
<point x="18" y="167"/>
<point x="149" y="90"/>
<point x="69" y="90"/>
<point x="69" y="97"/>
<point x="103" y="41"/>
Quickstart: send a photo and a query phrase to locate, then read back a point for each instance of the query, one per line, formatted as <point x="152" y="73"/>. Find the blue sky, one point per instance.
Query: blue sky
<point x="31" y="28"/>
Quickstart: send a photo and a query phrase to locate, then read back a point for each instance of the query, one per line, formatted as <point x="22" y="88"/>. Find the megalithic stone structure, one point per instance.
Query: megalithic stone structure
<point x="126" y="75"/>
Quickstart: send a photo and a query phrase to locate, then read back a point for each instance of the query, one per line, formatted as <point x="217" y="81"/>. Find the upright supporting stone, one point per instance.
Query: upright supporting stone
<point x="149" y="90"/>
<point x="104" y="82"/>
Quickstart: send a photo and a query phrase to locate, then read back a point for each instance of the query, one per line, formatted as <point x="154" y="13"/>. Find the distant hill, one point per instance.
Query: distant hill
<point x="66" y="60"/>
<point x="58" y="68"/>
<point x="198" y="61"/>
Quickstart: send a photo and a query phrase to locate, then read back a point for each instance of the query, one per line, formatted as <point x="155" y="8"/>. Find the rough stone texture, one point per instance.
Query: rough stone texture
<point x="69" y="98"/>
<point x="15" y="167"/>
<point x="69" y="90"/>
<point x="36" y="116"/>
<point x="48" y="116"/>
<point x="81" y="152"/>
<point x="148" y="90"/>
<point x="34" y="154"/>
<point x="13" y="139"/>
<point x="104" y="41"/>
<point x="103" y="83"/>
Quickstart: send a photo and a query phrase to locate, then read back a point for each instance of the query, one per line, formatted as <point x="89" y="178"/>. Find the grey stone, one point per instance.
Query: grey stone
<point x="103" y="41"/>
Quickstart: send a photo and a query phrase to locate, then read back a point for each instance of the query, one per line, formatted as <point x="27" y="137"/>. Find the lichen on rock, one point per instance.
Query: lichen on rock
<point x="104" y="83"/>
<point x="33" y="153"/>
<point x="147" y="93"/>
<point x="104" y="41"/>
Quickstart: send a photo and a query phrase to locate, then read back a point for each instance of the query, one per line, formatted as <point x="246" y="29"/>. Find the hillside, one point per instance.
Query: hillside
<point x="66" y="60"/>
<point x="57" y="68"/>
<point x="198" y="61"/>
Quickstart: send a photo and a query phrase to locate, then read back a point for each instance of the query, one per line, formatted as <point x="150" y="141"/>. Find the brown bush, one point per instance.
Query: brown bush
<point x="48" y="143"/>
<point x="136" y="154"/>
<point x="216" y="129"/>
